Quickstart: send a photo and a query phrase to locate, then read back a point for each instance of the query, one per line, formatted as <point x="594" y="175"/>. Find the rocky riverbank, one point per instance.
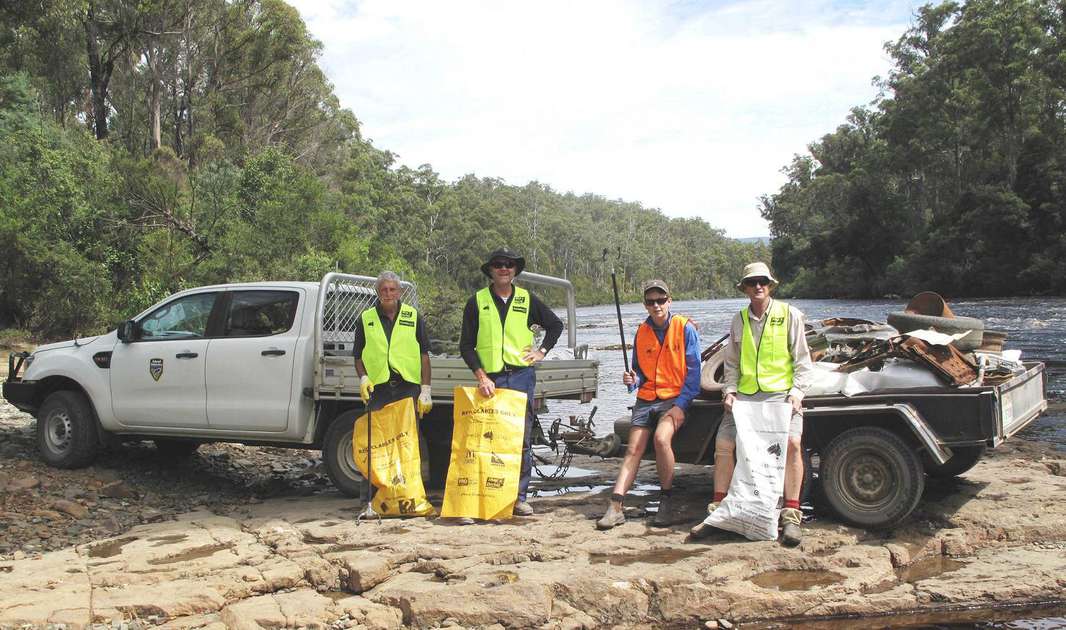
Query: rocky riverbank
<point x="255" y="537"/>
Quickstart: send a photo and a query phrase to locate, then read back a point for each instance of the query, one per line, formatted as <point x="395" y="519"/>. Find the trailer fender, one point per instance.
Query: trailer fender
<point x="906" y="411"/>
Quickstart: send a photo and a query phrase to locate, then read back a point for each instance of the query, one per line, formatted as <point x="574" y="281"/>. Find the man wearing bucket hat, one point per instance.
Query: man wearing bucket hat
<point x="497" y="344"/>
<point x="767" y="360"/>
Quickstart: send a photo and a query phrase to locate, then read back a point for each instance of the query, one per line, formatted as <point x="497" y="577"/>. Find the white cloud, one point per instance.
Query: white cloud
<point x="691" y="107"/>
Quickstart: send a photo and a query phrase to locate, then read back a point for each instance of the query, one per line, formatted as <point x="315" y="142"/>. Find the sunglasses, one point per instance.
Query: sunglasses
<point x="659" y="301"/>
<point x="751" y="282"/>
<point x="502" y="264"/>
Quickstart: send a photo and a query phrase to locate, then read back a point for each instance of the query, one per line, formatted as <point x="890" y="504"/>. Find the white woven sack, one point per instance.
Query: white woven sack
<point x="751" y="508"/>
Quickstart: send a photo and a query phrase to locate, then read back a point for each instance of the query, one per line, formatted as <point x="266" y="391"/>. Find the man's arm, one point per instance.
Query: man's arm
<point x="691" y="388"/>
<point x="802" y="366"/>
<point x="468" y="335"/>
<point x="423" y="349"/>
<point x="541" y="315"/>
<point x="358" y="345"/>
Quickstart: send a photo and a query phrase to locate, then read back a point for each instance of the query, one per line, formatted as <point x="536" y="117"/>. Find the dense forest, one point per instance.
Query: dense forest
<point x="155" y="145"/>
<point x="953" y="180"/>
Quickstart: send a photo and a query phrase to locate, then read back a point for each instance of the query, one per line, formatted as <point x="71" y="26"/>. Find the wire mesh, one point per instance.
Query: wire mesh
<point x="346" y="296"/>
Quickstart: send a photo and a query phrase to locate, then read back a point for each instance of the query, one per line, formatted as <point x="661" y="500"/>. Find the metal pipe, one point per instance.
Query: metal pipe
<point x="571" y="301"/>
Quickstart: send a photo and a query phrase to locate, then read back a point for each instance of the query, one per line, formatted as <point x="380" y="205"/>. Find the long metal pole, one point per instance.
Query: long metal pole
<point x="618" y="312"/>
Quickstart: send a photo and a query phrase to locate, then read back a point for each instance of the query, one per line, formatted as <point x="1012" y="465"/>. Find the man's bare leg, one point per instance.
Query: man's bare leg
<point x="664" y="453"/>
<point x="724" y="462"/>
<point x="793" y="469"/>
<point x="638" y="442"/>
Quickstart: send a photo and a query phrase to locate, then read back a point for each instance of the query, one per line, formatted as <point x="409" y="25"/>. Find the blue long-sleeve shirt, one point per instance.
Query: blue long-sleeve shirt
<point x="691" y="388"/>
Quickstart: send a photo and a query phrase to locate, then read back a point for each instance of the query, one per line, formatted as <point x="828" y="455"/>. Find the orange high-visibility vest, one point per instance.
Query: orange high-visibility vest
<point x="663" y="364"/>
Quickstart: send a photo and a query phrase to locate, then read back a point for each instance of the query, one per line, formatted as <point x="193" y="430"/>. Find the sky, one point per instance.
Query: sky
<point x="689" y="107"/>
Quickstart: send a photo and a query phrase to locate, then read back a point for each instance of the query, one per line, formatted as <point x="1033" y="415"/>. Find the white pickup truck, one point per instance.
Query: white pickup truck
<point x="266" y="363"/>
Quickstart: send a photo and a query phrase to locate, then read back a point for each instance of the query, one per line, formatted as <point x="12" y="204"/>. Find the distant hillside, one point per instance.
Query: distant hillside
<point x="754" y="240"/>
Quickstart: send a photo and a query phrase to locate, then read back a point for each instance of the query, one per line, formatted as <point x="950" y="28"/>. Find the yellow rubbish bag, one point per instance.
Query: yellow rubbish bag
<point x="486" y="454"/>
<point x="397" y="465"/>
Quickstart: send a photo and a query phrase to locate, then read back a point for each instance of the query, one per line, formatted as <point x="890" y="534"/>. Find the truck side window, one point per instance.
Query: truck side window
<point x="184" y="318"/>
<point x="260" y="313"/>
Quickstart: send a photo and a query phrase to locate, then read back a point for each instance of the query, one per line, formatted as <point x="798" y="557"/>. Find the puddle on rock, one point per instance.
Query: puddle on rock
<point x="501" y="578"/>
<point x="572" y="489"/>
<point x="192" y="554"/>
<point x="654" y="556"/>
<point x="795" y="580"/>
<point x="926" y="568"/>
<point x="168" y="540"/>
<point x="110" y="548"/>
<point x="337" y="595"/>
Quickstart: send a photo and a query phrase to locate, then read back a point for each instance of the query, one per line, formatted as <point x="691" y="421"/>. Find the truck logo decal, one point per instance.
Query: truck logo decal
<point x="155" y="368"/>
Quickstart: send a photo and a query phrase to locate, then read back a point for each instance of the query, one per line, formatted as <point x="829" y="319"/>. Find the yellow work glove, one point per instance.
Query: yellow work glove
<point x="425" y="401"/>
<point x="365" y="387"/>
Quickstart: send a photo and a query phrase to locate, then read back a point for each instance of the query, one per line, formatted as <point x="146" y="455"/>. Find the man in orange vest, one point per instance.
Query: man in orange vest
<point x="666" y="373"/>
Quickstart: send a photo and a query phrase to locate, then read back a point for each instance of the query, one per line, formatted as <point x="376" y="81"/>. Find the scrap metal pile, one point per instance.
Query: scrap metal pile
<point x="924" y="345"/>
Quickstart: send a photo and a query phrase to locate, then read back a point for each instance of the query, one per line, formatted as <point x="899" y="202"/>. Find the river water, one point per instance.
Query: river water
<point x="1036" y="326"/>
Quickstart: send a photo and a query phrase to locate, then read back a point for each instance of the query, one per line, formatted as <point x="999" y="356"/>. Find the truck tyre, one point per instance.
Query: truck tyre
<point x="962" y="459"/>
<point x="67" y="435"/>
<point x="906" y="322"/>
<point x="871" y="478"/>
<point x="175" y="449"/>
<point x="337" y="454"/>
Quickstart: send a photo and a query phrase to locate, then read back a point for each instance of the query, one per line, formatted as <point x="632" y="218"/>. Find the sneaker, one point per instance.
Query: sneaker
<point x="521" y="508"/>
<point x="791" y="533"/>
<point x="611" y="518"/>
<point x="665" y="516"/>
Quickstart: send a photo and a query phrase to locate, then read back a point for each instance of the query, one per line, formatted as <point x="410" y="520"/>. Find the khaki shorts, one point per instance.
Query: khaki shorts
<point x="728" y="429"/>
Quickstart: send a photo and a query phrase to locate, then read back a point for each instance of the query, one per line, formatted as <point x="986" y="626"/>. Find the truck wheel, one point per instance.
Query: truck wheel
<point x="871" y="478"/>
<point x="67" y="435"/>
<point x="962" y="459"/>
<point x="337" y="454"/>
<point x="175" y="449"/>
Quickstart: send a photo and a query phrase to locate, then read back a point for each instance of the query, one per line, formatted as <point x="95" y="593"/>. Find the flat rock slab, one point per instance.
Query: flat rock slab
<point x="995" y="536"/>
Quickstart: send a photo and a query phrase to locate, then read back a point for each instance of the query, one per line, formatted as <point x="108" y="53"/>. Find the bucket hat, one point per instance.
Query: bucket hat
<point x="756" y="270"/>
<point x="503" y="252"/>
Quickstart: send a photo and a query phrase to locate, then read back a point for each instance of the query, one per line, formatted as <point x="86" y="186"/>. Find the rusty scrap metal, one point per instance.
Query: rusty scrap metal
<point x="947" y="362"/>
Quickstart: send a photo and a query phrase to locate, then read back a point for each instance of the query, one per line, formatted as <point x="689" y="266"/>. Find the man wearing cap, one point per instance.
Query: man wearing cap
<point x="497" y="344"/>
<point x="666" y="374"/>
<point x="766" y="360"/>
<point x="391" y="350"/>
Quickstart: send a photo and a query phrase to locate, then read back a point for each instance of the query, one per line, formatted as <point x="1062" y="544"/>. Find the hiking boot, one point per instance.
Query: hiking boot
<point x="613" y="517"/>
<point x="791" y="518"/>
<point x="666" y="514"/>
<point x="521" y="508"/>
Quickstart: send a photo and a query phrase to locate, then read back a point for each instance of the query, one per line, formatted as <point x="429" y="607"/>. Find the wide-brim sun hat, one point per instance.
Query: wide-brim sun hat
<point x="756" y="270"/>
<point x="503" y="252"/>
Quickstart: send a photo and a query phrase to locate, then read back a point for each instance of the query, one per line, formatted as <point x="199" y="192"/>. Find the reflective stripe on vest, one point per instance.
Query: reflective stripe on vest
<point x="767" y="368"/>
<point x="401" y="353"/>
<point x="499" y="345"/>
<point x="663" y="364"/>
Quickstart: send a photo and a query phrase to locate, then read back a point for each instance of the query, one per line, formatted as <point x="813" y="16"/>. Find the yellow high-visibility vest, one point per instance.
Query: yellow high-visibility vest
<point x="401" y="353"/>
<point x="498" y="345"/>
<point x="768" y="367"/>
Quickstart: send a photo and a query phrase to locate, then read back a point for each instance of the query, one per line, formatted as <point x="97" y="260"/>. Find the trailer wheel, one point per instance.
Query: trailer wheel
<point x="871" y="478"/>
<point x="175" y="449"/>
<point x="962" y="459"/>
<point x="67" y="435"/>
<point x="338" y="457"/>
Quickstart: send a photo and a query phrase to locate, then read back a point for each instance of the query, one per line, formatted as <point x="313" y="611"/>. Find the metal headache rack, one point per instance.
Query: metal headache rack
<point x="342" y="298"/>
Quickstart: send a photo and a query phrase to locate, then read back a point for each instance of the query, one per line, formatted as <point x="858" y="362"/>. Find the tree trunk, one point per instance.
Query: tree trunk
<point x="99" y="75"/>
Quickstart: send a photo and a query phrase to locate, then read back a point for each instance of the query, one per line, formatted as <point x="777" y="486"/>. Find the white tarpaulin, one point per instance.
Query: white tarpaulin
<point x="751" y="507"/>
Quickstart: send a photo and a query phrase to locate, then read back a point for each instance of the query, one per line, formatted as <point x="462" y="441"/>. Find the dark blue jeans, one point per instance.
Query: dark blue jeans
<point x="523" y="380"/>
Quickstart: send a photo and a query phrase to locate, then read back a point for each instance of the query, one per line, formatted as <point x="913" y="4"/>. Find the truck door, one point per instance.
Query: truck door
<point x="250" y="364"/>
<point x="157" y="379"/>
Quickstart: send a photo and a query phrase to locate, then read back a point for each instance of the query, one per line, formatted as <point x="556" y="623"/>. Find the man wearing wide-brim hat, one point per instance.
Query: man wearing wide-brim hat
<point x="497" y="344"/>
<point x="766" y="360"/>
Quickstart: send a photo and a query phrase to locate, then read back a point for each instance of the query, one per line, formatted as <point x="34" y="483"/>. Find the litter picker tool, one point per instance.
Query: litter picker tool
<point x="618" y="311"/>
<point x="368" y="509"/>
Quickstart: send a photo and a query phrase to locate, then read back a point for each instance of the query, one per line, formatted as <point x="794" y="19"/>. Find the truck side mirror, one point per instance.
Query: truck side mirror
<point x="127" y="331"/>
